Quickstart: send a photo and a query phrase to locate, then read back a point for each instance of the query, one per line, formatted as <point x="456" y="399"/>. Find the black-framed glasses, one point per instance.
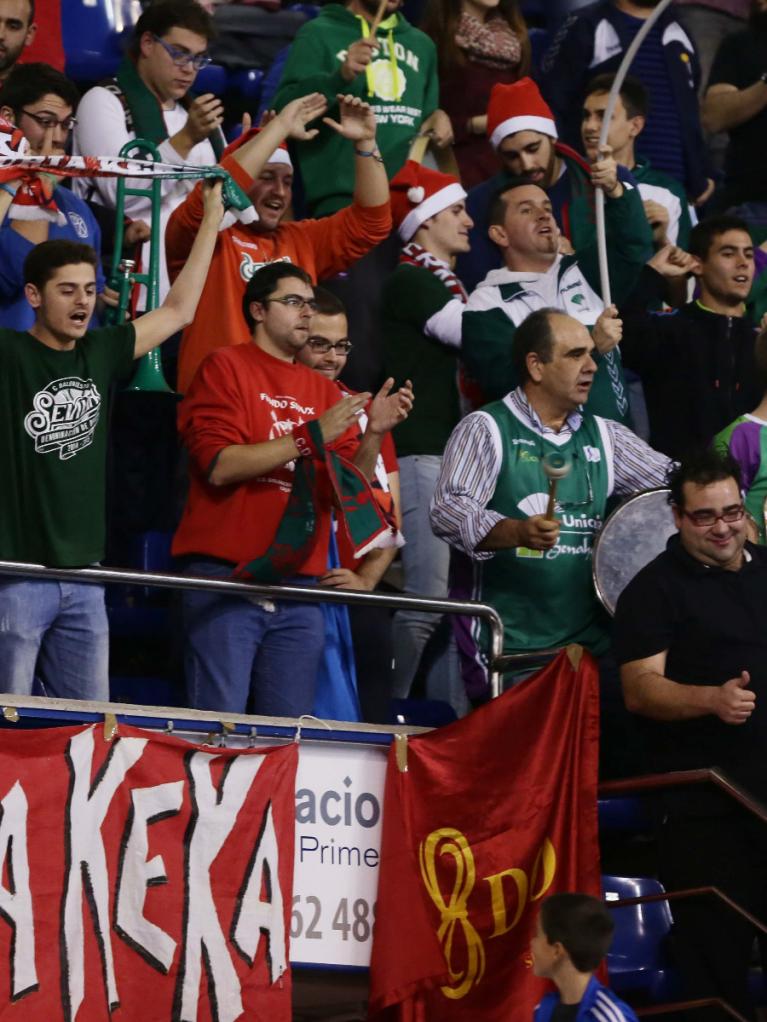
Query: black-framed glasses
<point x="321" y="347"/>
<point x="47" y="121"/>
<point x="293" y="302"/>
<point x="706" y="519"/>
<point x="183" y="57"/>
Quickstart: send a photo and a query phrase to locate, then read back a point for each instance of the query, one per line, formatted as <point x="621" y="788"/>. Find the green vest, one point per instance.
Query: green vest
<point x="546" y="598"/>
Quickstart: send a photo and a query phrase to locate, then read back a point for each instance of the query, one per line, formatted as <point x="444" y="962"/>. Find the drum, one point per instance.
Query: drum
<point x="632" y="536"/>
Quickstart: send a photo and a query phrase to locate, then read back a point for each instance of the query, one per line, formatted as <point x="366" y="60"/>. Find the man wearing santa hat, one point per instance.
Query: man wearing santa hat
<point x="422" y="308"/>
<point x="522" y="130"/>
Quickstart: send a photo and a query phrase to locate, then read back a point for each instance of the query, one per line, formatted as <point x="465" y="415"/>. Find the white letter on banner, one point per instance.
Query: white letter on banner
<point x="16" y="899"/>
<point x="255" y="917"/>
<point x="86" y="862"/>
<point x="214" y="813"/>
<point x="136" y="874"/>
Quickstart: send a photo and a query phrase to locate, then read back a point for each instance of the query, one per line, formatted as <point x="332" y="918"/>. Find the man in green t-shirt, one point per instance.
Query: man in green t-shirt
<point x="54" y="383"/>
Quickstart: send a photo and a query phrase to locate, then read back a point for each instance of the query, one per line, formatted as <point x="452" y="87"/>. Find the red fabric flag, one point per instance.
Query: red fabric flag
<point x="493" y="813"/>
<point x="143" y="878"/>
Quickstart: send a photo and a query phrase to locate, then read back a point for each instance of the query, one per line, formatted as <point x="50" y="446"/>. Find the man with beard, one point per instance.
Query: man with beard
<point x="736" y="102"/>
<point x="690" y="633"/>
<point x="522" y="131"/>
<point x="697" y="364"/>
<point x="17" y="30"/>
<point x="594" y="41"/>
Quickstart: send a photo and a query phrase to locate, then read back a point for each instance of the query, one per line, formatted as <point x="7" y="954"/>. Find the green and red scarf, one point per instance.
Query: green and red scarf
<point x="365" y="522"/>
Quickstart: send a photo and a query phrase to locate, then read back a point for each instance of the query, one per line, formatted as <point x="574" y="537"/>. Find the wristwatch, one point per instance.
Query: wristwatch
<point x="763" y="77"/>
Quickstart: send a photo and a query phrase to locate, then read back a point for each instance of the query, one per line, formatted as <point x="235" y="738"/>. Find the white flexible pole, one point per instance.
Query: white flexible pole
<point x="620" y="74"/>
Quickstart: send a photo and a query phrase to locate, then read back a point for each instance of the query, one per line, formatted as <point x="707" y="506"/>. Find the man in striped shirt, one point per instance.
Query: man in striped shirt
<point x="492" y="493"/>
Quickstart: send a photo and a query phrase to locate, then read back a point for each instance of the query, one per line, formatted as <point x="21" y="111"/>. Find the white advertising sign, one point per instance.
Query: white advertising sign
<point x="339" y="806"/>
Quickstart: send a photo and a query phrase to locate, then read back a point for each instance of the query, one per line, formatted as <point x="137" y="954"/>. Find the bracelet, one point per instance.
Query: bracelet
<point x="7" y="188"/>
<point x="375" y="153"/>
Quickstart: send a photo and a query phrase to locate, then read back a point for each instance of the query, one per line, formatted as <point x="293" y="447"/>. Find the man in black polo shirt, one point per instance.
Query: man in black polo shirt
<point x="691" y="638"/>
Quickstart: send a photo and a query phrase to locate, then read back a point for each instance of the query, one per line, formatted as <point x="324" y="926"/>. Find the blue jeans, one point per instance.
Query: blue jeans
<point x="55" y="634"/>
<point x="248" y="656"/>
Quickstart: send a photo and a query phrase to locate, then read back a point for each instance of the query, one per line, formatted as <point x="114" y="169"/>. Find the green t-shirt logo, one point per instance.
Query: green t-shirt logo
<point x="65" y="417"/>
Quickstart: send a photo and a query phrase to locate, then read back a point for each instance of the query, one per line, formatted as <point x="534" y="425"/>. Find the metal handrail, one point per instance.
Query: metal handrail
<point x="675" y="1006"/>
<point x="678" y="778"/>
<point x="302" y="594"/>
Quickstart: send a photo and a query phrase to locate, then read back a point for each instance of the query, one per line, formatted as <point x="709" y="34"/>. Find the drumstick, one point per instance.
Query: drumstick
<point x="555" y="467"/>
<point x="378" y="18"/>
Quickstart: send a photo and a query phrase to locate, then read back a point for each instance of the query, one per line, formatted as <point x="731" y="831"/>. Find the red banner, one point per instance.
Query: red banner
<point x="492" y="814"/>
<point x="143" y="878"/>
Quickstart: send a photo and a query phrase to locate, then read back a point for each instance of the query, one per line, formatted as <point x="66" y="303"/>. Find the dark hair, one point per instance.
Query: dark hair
<point x="496" y="213"/>
<point x="701" y="467"/>
<point x="328" y="304"/>
<point x="159" y="18"/>
<point x="702" y="235"/>
<point x="265" y="280"/>
<point x="49" y="256"/>
<point x="27" y="83"/>
<point x="632" y="92"/>
<point x="441" y="23"/>
<point x="534" y="335"/>
<point x="583" y="926"/>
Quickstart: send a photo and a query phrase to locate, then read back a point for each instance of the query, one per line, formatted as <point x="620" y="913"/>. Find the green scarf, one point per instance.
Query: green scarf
<point x="359" y="512"/>
<point x="143" y="113"/>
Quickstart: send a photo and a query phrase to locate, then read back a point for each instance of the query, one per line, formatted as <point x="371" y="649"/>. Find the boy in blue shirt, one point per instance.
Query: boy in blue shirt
<point x="573" y="934"/>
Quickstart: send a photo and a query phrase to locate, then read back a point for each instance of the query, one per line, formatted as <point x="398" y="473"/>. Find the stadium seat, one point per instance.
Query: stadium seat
<point x="627" y="813"/>
<point x="94" y="35"/>
<point x="422" y="712"/>
<point x="637" y="960"/>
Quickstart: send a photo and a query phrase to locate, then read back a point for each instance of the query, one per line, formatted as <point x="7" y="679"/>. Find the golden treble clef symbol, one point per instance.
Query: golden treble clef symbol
<point x="448" y="842"/>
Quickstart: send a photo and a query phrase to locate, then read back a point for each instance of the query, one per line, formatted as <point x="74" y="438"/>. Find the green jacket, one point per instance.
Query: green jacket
<point x="401" y="85"/>
<point x="504" y="300"/>
<point x="652" y="184"/>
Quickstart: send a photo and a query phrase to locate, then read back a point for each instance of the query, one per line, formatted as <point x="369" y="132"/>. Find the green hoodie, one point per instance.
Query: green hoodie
<point x="401" y="85"/>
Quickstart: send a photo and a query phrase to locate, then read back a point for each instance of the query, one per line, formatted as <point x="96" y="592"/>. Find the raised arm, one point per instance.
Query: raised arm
<point x="180" y="303"/>
<point x="290" y="122"/>
<point x="357" y="123"/>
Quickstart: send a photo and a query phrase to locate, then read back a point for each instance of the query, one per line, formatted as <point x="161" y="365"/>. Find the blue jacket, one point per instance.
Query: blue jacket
<point x="591" y="42"/>
<point x="15" y="311"/>
<point x="598" y="1005"/>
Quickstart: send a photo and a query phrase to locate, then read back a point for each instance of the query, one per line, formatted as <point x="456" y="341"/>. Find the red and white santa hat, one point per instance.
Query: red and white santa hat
<point x="280" y="154"/>
<point x="518" y="107"/>
<point x="419" y="193"/>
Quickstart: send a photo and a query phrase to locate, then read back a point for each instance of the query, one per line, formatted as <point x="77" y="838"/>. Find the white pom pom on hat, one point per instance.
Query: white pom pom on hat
<point x="419" y="193"/>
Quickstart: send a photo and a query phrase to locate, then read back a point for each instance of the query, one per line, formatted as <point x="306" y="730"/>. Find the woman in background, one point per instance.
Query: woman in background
<point x="479" y="42"/>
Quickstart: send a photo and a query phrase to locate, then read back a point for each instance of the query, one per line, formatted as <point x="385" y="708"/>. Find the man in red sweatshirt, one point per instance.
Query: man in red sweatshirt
<point x="261" y="166"/>
<point x="244" y="423"/>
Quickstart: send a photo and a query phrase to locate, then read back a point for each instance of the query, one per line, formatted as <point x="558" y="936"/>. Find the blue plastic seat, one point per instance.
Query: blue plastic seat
<point x="637" y="960"/>
<point x="212" y="78"/>
<point x="94" y="36"/>
<point x="629" y="812"/>
<point x="422" y="712"/>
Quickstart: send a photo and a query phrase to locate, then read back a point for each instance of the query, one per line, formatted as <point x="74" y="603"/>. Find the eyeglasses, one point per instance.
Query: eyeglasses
<point x="49" y="121"/>
<point x="182" y="57"/>
<point x="293" y="302"/>
<point x="322" y="347"/>
<point x="706" y="519"/>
